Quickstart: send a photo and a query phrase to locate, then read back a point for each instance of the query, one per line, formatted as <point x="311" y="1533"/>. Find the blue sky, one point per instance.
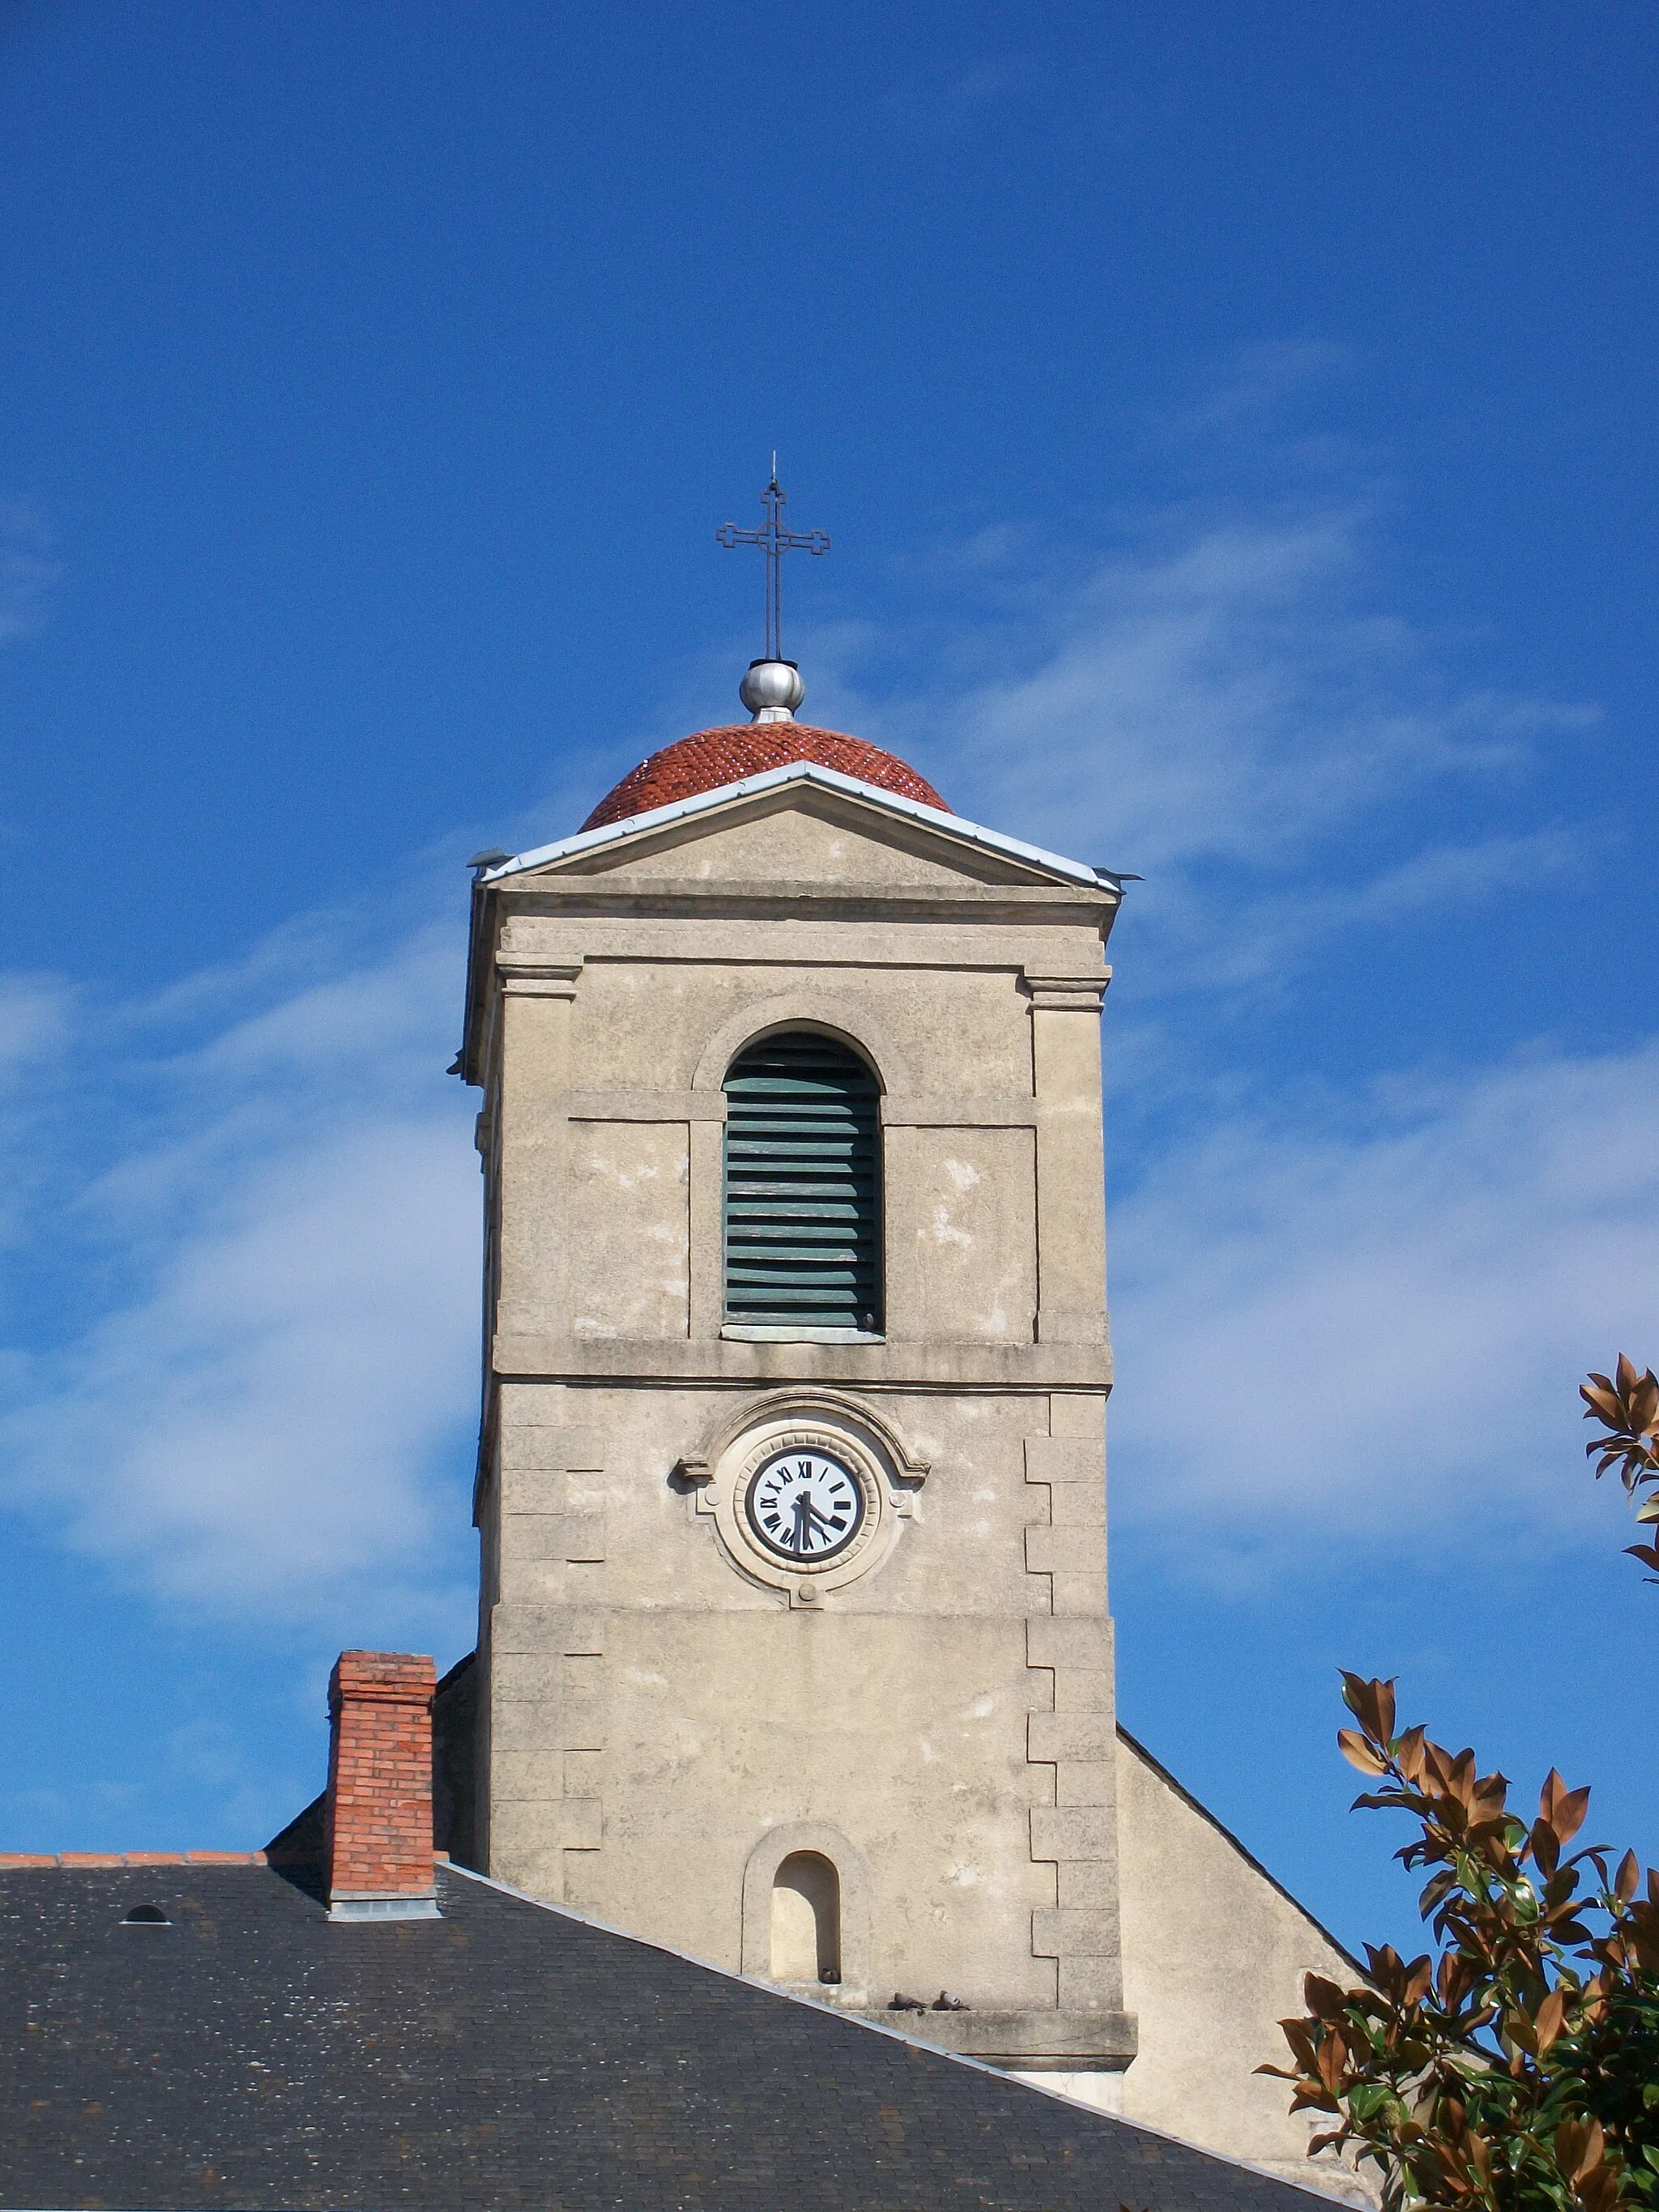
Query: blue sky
<point x="1236" y="427"/>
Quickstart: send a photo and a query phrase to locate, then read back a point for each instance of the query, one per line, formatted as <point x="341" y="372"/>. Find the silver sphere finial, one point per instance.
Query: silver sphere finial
<point x="772" y="690"/>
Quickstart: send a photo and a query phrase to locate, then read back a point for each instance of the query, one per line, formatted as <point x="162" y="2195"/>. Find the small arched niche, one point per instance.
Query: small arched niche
<point x="805" y="1919"/>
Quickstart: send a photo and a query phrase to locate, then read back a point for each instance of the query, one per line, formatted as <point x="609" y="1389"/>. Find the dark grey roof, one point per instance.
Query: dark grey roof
<point x="250" y="2054"/>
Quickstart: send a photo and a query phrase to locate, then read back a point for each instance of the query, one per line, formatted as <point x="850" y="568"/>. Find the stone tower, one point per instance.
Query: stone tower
<point x="793" y="1643"/>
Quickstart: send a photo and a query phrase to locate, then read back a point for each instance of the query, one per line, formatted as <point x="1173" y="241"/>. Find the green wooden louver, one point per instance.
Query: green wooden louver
<point x="802" y="1166"/>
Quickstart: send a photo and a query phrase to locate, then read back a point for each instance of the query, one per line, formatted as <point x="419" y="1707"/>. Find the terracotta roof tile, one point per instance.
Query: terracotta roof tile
<point x="711" y="758"/>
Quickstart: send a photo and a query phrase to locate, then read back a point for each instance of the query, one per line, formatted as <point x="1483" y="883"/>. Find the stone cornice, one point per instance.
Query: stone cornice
<point x="518" y="1355"/>
<point x="839" y="901"/>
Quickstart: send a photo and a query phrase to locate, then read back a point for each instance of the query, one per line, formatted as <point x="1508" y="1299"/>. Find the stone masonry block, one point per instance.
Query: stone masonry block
<point x="1091" y="1983"/>
<point x="582" y="1705"/>
<point x="532" y="1537"/>
<point x="584" y="1538"/>
<point x="1088" y="1886"/>
<point x="556" y="1451"/>
<point x="1059" y="1934"/>
<point x="526" y="1775"/>
<point x="1070" y="1736"/>
<point x="580" y="1824"/>
<point x="537" y="1867"/>
<point x="541" y="1630"/>
<point x="1083" y="1690"/>
<point x="583" y="1724"/>
<point x="1078" y="1413"/>
<point x="525" y="1677"/>
<point x="1086" y="1782"/>
<point x="527" y="1724"/>
<point x="582" y="1773"/>
<point x="1075" y="1595"/>
<point x="531" y="1490"/>
<point x="1066" y="1644"/>
<point x="1072" y="1831"/>
<point x="1071" y="1551"/>
<point x="1065" y="1459"/>
<point x="1077" y="1505"/>
<point x="542" y="1584"/>
<point x="1039" y="1690"/>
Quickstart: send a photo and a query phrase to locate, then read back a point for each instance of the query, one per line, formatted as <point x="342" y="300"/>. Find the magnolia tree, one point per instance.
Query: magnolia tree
<point x="1516" y="2065"/>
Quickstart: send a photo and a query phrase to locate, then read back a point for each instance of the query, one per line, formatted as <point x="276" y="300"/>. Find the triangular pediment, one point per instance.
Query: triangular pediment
<point x="805" y="826"/>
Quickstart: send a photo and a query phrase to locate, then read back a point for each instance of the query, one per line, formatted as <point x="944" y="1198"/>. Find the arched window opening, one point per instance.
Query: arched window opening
<point x="807" y="1919"/>
<point x="803" y="1187"/>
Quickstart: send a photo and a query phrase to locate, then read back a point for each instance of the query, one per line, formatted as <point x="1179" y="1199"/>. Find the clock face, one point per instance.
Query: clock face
<point x="803" y="1506"/>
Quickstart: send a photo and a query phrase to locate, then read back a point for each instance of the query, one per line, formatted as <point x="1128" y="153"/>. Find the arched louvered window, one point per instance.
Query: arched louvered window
<point x="802" y="1185"/>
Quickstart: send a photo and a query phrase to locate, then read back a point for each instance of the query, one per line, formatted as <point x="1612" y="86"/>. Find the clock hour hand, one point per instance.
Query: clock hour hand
<point x="801" y="1534"/>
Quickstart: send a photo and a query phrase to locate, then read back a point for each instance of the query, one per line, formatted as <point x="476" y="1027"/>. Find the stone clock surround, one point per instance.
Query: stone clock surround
<point x="861" y="1435"/>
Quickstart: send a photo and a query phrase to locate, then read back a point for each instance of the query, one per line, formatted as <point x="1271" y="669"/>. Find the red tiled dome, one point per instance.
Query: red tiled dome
<point x="714" y="757"/>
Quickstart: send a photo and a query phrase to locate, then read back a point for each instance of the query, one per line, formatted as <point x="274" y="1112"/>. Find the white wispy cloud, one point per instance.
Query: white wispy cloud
<point x="274" y="1241"/>
<point x="1223" y="705"/>
<point x="1369" y="1324"/>
<point x="28" y="569"/>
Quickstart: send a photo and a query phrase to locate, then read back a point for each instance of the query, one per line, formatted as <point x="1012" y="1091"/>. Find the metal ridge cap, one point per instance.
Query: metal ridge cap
<point x="772" y="779"/>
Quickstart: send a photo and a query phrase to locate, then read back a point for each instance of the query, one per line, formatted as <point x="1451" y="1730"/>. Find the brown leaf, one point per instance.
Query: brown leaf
<point x="1455" y="1975"/>
<point x="1384" y="1710"/>
<point x="1323" y="1999"/>
<point x="1599" y="1394"/>
<point x="1625" y="1882"/>
<point x="1552" y="2017"/>
<point x="1591" y="2152"/>
<point x="1371" y="1703"/>
<point x="1564" y="1809"/>
<point x="1408" y="1753"/>
<point x="1601" y="2190"/>
<point x="1357" y="1752"/>
<point x="1569" y="2148"/>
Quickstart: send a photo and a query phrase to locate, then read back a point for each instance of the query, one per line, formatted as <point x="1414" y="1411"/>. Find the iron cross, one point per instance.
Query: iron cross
<point x="774" y="541"/>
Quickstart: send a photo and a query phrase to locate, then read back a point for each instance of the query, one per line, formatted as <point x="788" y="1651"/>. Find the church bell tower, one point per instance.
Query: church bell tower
<point x="794" y="1650"/>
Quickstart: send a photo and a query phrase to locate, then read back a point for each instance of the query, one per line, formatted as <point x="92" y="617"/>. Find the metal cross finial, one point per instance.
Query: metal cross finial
<point x="775" y="541"/>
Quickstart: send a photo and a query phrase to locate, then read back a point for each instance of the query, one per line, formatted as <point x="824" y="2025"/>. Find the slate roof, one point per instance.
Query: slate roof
<point x="251" y="2055"/>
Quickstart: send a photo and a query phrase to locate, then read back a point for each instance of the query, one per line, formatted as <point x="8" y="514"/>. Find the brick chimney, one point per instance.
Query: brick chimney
<point x="378" y="1846"/>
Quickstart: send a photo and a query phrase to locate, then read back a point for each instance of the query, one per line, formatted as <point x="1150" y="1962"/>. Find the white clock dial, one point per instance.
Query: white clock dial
<point x="803" y="1506"/>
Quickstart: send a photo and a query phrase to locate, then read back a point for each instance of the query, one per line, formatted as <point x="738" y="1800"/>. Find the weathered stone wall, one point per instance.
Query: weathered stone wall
<point x="657" y="1713"/>
<point x="1214" y="1952"/>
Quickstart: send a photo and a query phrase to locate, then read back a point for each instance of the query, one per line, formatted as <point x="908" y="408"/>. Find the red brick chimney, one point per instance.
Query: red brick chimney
<point x="378" y="1848"/>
